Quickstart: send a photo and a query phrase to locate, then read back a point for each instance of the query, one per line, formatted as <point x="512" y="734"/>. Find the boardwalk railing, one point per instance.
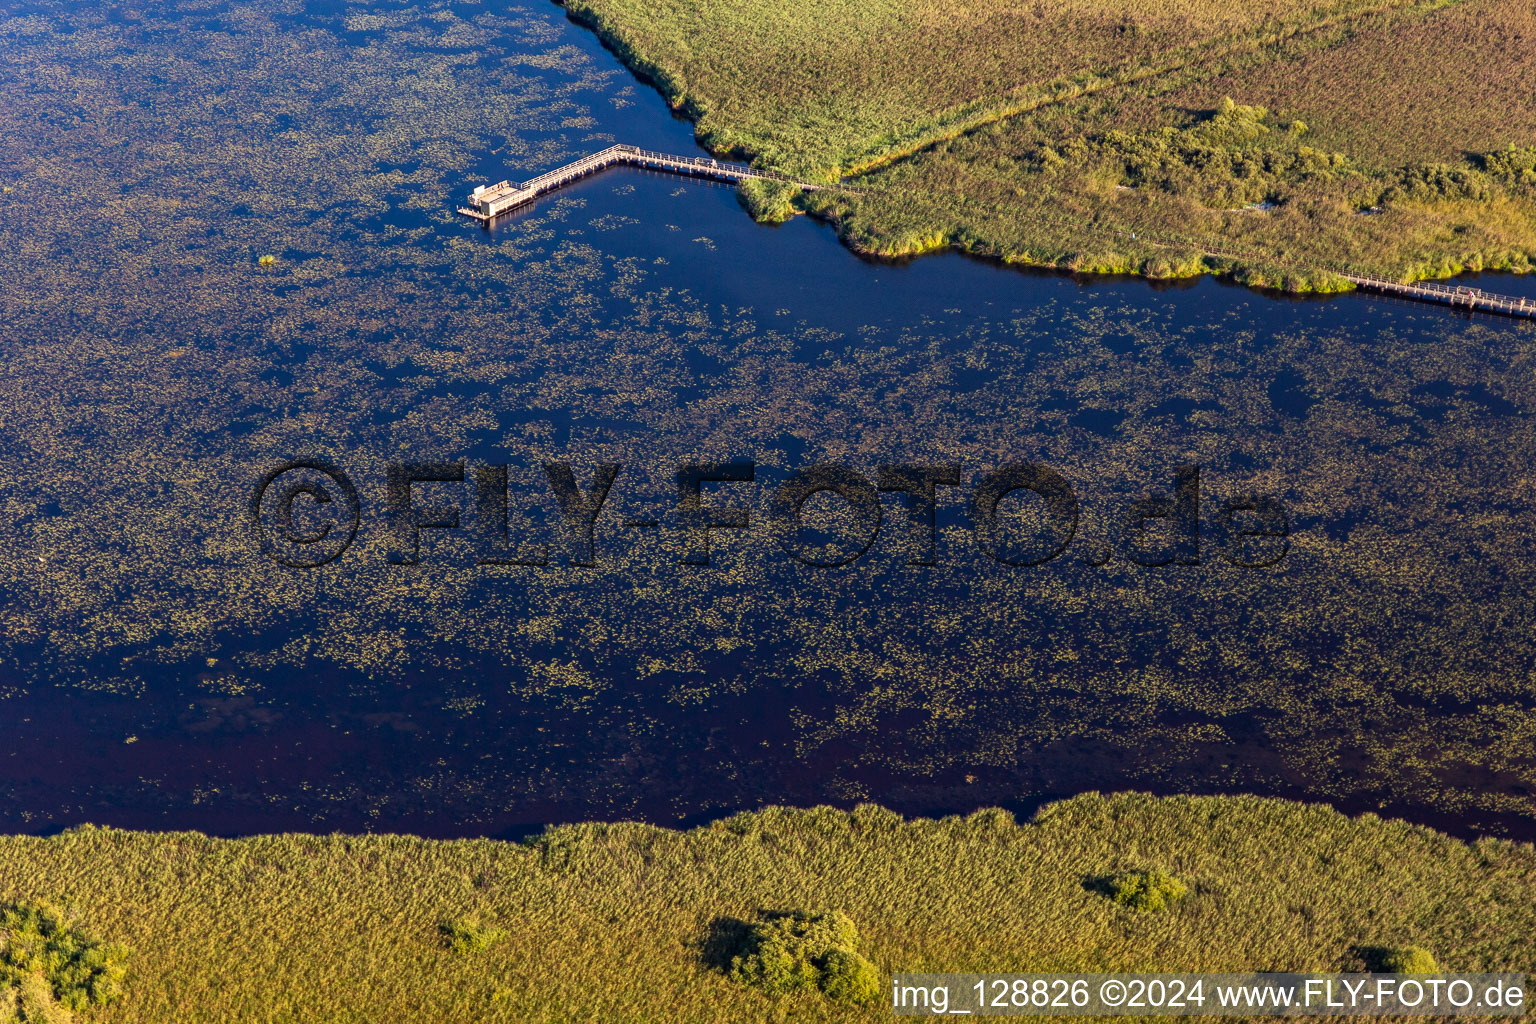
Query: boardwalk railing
<point x="1421" y="291"/>
<point x="1451" y="295"/>
<point x="488" y="203"/>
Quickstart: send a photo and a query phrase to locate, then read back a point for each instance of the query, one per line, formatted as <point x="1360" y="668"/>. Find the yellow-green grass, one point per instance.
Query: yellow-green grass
<point x="607" y="923"/>
<point x="810" y="85"/>
<point x="941" y="106"/>
<point x="1081" y="206"/>
<point x="1460" y="80"/>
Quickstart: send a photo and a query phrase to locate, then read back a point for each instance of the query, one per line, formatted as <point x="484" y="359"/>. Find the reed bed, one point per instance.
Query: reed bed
<point x="629" y="922"/>
<point x="945" y="104"/>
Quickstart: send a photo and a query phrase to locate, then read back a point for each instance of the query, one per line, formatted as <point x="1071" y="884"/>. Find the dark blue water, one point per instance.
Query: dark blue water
<point x="160" y="672"/>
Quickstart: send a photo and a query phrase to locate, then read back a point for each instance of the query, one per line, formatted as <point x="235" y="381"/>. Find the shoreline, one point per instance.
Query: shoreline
<point x="1260" y="275"/>
<point x="1042" y="812"/>
<point x="630" y="922"/>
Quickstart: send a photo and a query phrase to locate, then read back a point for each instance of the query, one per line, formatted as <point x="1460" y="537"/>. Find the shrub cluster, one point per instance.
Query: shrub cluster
<point x="792" y="952"/>
<point x="1433" y="182"/>
<point x="1512" y="166"/>
<point x="1484" y="178"/>
<point x="1239" y="154"/>
<point x="1236" y="154"/>
<point x="38" y="941"/>
<point x="1405" y="960"/>
<point x="464" y="935"/>
<point x="1144" y="890"/>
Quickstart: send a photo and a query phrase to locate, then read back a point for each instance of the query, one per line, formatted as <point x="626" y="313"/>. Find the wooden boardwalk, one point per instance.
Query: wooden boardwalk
<point x="1450" y="295"/>
<point x="1460" y="296"/>
<point x="488" y="203"/>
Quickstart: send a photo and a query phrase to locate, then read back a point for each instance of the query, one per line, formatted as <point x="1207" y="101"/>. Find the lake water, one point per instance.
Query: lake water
<point x="157" y="671"/>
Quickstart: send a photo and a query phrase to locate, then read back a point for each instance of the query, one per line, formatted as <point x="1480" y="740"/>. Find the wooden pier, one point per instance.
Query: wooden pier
<point x="1459" y="296"/>
<point x="488" y="202"/>
<point x="1450" y="295"/>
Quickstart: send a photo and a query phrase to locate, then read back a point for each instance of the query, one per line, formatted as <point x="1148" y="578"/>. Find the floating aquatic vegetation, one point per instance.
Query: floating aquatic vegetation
<point x="152" y="377"/>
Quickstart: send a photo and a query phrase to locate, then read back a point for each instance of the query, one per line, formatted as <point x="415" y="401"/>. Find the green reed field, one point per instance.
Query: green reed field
<point x="632" y="923"/>
<point x="1392" y="138"/>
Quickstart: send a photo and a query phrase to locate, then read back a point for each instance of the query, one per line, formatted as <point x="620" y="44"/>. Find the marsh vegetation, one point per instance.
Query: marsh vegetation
<point x="157" y="669"/>
<point x="629" y="922"/>
<point x="1025" y="132"/>
<point x="50" y="967"/>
